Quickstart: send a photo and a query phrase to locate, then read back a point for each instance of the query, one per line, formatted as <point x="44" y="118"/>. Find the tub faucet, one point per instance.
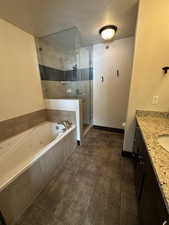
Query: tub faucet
<point x="64" y="125"/>
<point x="60" y="127"/>
<point x="67" y="124"/>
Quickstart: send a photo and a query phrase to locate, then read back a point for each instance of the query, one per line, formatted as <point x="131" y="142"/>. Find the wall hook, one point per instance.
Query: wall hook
<point x="165" y="69"/>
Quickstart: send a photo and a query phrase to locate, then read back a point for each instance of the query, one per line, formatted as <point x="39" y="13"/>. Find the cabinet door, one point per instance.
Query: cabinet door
<point x="152" y="207"/>
<point x="139" y="177"/>
<point x="137" y="140"/>
<point x="2" y="222"/>
<point x="139" y="163"/>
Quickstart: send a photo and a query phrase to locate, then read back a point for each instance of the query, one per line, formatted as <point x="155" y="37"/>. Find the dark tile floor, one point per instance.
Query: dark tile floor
<point x="95" y="187"/>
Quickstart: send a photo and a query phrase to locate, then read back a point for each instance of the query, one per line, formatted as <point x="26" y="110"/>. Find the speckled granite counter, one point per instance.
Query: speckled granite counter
<point x="153" y="124"/>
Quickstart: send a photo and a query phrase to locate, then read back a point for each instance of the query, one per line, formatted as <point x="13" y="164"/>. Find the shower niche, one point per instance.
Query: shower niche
<point x="66" y="69"/>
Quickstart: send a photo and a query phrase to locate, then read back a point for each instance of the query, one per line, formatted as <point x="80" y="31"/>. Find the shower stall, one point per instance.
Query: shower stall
<point x="66" y="69"/>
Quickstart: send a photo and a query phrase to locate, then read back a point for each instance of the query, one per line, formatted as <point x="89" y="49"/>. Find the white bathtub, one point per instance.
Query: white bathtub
<point x="18" y="153"/>
<point x="28" y="161"/>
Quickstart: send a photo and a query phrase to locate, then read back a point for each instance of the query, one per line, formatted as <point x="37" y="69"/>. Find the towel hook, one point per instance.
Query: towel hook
<point x="165" y="69"/>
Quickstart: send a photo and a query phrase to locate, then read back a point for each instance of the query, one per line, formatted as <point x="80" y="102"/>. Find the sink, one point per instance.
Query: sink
<point x="163" y="140"/>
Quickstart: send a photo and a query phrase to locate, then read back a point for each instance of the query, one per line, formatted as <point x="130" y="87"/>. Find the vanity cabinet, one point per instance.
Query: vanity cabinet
<point x="139" y="162"/>
<point x="2" y="221"/>
<point x="151" y="202"/>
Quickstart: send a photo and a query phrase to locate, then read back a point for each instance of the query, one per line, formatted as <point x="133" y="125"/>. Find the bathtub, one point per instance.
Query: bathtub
<point x="27" y="163"/>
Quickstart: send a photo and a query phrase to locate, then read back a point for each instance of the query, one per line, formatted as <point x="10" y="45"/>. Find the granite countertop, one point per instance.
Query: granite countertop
<point x="153" y="124"/>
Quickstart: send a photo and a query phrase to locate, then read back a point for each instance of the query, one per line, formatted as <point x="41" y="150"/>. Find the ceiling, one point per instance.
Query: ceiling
<point x="44" y="17"/>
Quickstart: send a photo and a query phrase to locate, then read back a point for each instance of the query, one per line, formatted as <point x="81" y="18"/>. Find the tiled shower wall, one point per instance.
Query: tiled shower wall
<point x="56" y="89"/>
<point x="53" y="74"/>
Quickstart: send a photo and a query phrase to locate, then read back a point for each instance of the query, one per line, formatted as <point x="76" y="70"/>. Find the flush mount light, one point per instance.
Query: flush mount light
<point x="108" y="32"/>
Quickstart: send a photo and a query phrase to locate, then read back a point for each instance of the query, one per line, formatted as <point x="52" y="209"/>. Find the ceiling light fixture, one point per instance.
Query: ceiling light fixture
<point x="108" y="32"/>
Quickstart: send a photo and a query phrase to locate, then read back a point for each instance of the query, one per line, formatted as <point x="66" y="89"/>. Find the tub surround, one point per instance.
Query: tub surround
<point x="19" y="124"/>
<point x="22" y="150"/>
<point x="153" y="124"/>
<point x="60" y="115"/>
<point x="22" y="123"/>
<point x="23" y="178"/>
<point x="69" y="105"/>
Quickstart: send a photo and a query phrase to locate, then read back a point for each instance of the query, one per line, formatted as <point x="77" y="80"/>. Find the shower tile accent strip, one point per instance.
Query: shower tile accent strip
<point x="19" y="124"/>
<point x="53" y="74"/>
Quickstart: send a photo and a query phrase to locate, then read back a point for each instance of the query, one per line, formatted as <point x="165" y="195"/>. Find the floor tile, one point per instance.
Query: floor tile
<point x="37" y="216"/>
<point x="94" y="187"/>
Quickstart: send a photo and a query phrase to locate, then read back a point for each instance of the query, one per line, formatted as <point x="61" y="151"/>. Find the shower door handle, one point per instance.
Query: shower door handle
<point x="102" y="79"/>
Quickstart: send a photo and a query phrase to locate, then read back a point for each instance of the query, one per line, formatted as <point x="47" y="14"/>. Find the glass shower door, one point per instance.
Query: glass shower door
<point x="66" y="69"/>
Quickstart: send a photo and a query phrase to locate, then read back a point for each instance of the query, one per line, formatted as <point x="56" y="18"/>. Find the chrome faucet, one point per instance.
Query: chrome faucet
<point x="65" y="124"/>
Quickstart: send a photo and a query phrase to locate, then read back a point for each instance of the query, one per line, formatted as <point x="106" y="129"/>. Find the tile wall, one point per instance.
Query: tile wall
<point x="19" y="124"/>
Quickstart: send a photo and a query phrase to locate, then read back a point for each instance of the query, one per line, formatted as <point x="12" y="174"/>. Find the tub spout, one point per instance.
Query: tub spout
<point x="67" y="124"/>
<point x="64" y="125"/>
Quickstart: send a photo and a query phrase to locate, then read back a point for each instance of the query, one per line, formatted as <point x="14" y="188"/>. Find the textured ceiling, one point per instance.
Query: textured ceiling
<point x="44" y="17"/>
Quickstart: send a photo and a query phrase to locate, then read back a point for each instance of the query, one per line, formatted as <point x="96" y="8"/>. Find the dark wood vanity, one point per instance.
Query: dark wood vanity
<point x="2" y="221"/>
<point x="152" y="205"/>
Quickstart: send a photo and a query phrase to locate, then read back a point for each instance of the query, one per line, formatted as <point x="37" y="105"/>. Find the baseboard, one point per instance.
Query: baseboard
<point x="111" y="129"/>
<point x="130" y="155"/>
<point x="87" y="130"/>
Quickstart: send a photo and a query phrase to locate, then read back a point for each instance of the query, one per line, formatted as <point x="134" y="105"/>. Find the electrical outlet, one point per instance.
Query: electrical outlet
<point x="155" y="100"/>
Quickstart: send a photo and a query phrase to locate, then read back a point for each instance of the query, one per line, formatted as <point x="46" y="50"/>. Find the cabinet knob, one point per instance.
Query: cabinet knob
<point x="164" y="223"/>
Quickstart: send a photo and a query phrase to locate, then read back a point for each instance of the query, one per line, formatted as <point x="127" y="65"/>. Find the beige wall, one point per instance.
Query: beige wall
<point x="20" y="86"/>
<point x="151" y="54"/>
